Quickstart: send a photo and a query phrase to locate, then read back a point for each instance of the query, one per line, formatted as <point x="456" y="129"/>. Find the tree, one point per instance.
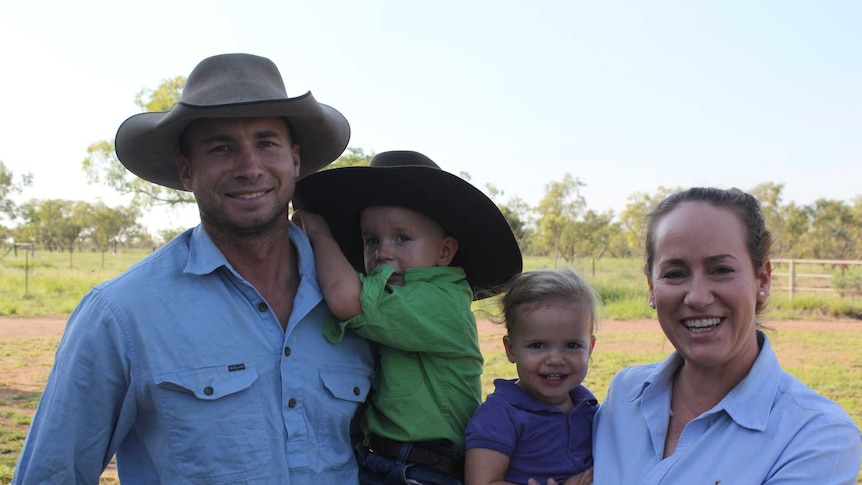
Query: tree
<point x="633" y="219"/>
<point x="834" y="232"/>
<point x="857" y="217"/>
<point x="8" y="188"/>
<point x="793" y="223"/>
<point x="786" y="223"/>
<point x="102" y="166"/>
<point x="515" y="210"/>
<point x="108" y="225"/>
<point x="557" y="211"/>
<point x="589" y="237"/>
<point x="57" y="224"/>
<point x="168" y="234"/>
<point x="352" y="157"/>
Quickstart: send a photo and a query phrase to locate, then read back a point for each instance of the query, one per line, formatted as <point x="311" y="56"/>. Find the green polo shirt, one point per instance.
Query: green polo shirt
<point x="429" y="380"/>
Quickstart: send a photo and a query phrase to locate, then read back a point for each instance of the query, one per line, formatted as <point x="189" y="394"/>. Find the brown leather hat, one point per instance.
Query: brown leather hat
<point x="230" y="86"/>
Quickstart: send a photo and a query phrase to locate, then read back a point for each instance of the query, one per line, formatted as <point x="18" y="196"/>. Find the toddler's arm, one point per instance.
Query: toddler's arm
<point x="338" y="280"/>
<point x="485" y="467"/>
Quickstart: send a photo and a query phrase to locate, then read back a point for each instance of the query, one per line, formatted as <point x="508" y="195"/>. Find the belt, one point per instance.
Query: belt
<point x="418" y="455"/>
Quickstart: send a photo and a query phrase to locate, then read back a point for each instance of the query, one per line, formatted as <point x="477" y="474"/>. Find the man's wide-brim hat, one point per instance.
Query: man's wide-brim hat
<point x="487" y="249"/>
<point x="230" y="86"/>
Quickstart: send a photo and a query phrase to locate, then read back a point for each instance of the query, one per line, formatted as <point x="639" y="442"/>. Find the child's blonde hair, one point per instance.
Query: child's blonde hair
<point x="531" y="290"/>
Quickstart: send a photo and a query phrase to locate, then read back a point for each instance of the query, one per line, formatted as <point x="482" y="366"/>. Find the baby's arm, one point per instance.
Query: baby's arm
<point x="338" y="280"/>
<point x="485" y="467"/>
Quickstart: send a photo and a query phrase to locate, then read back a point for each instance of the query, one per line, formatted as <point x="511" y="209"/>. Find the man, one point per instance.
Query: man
<point x="205" y="362"/>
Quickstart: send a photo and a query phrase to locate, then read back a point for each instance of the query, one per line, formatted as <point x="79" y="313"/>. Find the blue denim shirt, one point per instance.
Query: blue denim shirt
<point x="770" y="429"/>
<point x="180" y="367"/>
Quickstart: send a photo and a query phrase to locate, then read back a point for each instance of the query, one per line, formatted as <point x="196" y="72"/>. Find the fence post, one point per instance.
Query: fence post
<point x="26" y="273"/>
<point x="792" y="275"/>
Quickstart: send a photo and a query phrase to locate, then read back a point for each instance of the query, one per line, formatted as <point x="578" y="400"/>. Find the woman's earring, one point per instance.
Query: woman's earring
<point x="762" y="294"/>
<point x="652" y="304"/>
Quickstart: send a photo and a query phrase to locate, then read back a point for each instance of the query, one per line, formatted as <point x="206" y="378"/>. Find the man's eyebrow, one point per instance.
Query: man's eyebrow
<point x="267" y="134"/>
<point x="217" y="138"/>
<point x="224" y="138"/>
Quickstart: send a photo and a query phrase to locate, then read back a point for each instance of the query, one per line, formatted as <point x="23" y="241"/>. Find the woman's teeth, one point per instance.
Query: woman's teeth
<point x="701" y="325"/>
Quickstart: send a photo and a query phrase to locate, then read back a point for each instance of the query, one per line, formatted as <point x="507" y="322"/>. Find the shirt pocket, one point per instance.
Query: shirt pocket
<point x="346" y="388"/>
<point x="215" y="423"/>
<point x="400" y="374"/>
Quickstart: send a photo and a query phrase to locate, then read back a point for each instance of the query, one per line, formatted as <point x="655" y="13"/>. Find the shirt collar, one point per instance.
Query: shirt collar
<point x="748" y="403"/>
<point x="205" y="257"/>
<point x="509" y="390"/>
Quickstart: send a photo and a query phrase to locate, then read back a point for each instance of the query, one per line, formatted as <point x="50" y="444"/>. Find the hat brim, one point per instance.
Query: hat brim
<point x="147" y="143"/>
<point x="487" y="249"/>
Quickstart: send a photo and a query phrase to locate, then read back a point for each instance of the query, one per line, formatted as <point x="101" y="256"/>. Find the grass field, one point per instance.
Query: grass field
<point x="47" y="283"/>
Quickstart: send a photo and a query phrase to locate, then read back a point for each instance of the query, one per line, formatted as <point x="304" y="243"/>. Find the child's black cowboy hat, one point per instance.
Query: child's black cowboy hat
<point x="230" y="86"/>
<point x="487" y="249"/>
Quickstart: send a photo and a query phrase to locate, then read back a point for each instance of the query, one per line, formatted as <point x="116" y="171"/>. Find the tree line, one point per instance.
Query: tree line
<point x="560" y="225"/>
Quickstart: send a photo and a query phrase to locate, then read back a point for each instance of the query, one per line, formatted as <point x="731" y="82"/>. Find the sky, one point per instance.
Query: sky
<point x="626" y="96"/>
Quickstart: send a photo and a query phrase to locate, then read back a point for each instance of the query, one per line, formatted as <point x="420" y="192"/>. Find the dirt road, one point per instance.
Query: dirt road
<point x="15" y="327"/>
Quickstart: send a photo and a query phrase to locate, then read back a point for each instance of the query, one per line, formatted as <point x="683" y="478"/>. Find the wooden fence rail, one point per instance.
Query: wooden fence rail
<point x="815" y="282"/>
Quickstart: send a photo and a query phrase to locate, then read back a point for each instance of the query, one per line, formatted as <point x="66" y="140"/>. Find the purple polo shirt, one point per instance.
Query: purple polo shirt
<point x="541" y="441"/>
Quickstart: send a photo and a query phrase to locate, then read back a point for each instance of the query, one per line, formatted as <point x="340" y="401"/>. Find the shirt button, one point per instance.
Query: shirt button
<point x="261" y="307"/>
<point x="208" y="390"/>
<point x="291" y="403"/>
<point x="356" y="391"/>
<point x="287" y="351"/>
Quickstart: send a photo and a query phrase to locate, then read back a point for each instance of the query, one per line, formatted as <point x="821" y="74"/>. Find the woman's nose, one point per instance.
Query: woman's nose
<point x="699" y="293"/>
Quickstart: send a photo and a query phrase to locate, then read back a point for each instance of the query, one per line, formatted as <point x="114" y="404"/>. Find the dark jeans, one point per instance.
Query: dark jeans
<point x="376" y="469"/>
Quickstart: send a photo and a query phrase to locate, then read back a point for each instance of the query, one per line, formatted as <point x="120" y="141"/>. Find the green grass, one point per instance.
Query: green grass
<point x="46" y="283"/>
<point x="623" y="288"/>
<point x="49" y="284"/>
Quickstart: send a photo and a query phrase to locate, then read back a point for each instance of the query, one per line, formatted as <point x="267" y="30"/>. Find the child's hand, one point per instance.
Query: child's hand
<point x="583" y="478"/>
<point x="312" y="224"/>
<point x="296" y="218"/>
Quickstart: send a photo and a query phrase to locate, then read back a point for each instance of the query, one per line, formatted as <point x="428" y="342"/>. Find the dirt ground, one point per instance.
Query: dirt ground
<point x="52" y="327"/>
<point x="29" y="327"/>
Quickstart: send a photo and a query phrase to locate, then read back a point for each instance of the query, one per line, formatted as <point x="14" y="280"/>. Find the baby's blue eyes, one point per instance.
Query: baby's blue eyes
<point x="370" y="241"/>
<point x="541" y="345"/>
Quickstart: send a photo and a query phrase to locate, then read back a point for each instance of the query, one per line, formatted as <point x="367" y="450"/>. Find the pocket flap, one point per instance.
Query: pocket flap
<point x="210" y="383"/>
<point x="346" y="383"/>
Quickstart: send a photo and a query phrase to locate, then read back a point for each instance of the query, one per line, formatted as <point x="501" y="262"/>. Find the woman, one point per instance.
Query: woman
<point x="720" y="409"/>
